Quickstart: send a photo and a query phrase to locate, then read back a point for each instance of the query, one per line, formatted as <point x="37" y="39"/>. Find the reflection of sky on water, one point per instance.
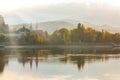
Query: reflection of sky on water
<point x="60" y="65"/>
<point x="59" y="71"/>
<point x="94" y="71"/>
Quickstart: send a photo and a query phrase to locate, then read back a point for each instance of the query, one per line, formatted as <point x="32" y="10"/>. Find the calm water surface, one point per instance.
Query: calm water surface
<point x="60" y="64"/>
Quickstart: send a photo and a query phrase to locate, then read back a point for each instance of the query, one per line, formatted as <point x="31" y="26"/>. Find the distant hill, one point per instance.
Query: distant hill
<point x="51" y="26"/>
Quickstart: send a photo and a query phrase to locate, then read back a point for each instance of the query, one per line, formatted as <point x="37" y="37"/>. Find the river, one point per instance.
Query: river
<point x="60" y="64"/>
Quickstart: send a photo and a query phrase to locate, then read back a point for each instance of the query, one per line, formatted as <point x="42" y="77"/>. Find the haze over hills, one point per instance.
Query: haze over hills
<point x="51" y="26"/>
<point x="89" y="13"/>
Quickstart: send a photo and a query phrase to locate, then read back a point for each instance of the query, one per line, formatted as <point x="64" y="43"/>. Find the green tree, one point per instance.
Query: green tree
<point x="61" y="36"/>
<point x="77" y="35"/>
<point x="116" y="37"/>
<point x="3" y="38"/>
<point x="90" y="35"/>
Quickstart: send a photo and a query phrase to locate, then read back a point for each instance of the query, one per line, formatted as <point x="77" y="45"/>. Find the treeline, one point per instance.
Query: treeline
<point x="34" y="38"/>
<point x="3" y="37"/>
<point x="81" y="34"/>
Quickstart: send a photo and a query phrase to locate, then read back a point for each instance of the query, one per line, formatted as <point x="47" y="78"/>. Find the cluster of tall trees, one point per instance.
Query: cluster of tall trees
<point x="80" y="34"/>
<point x="34" y="38"/>
<point x="3" y="38"/>
<point x="83" y="34"/>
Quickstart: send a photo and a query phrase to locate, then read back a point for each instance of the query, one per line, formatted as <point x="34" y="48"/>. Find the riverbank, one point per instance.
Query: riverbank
<point x="57" y="46"/>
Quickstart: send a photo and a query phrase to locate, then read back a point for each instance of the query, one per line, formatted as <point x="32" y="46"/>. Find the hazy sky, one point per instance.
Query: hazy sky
<point x="7" y="5"/>
<point x="94" y="11"/>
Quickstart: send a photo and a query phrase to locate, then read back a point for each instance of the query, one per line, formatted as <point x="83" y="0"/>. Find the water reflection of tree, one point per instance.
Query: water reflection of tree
<point x="67" y="56"/>
<point x="30" y="56"/>
<point x="82" y="60"/>
<point x="3" y="60"/>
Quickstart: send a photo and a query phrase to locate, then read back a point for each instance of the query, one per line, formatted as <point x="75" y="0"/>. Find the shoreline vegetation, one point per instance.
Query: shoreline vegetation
<point x="58" y="46"/>
<point x="80" y="36"/>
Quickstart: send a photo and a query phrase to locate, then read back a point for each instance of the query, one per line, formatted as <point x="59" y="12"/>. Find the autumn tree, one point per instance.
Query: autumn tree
<point x="90" y="35"/>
